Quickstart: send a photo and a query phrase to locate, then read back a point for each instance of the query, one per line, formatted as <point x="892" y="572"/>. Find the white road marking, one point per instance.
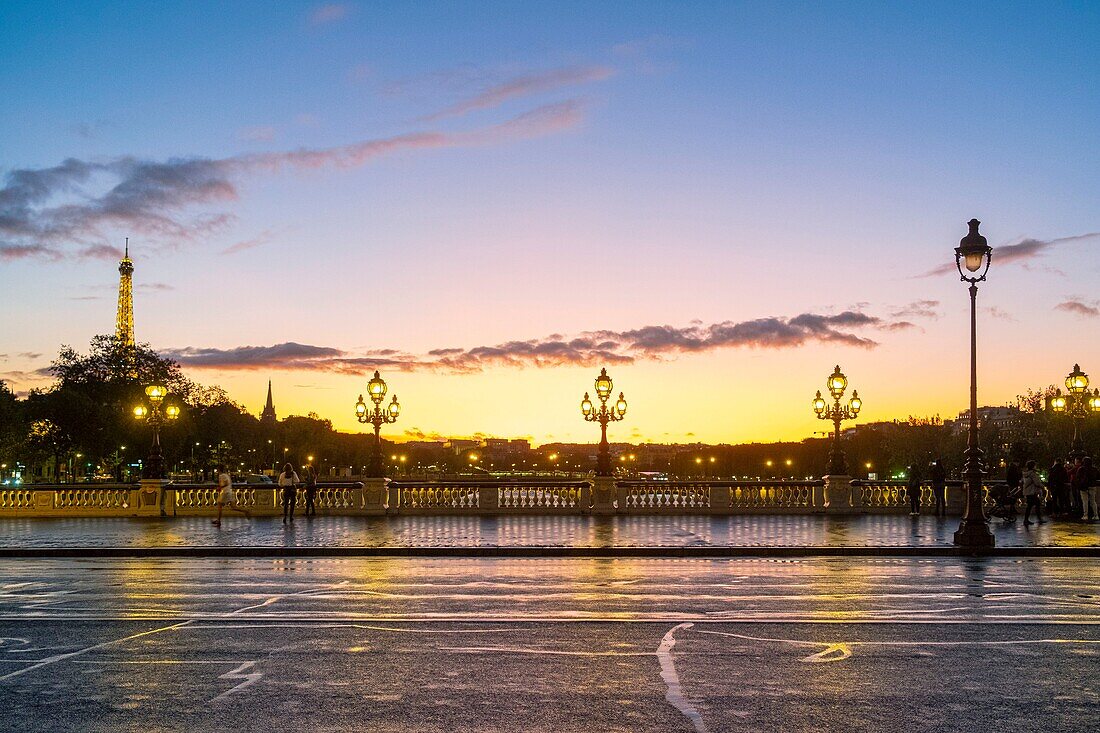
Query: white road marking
<point x="61" y="657"/>
<point x="675" y="694"/>
<point x="239" y="673"/>
<point x="543" y="617"/>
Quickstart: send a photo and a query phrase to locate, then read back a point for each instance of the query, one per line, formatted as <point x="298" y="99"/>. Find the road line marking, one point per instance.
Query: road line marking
<point x="675" y="694"/>
<point x="61" y="657"/>
<point x="239" y="673"/>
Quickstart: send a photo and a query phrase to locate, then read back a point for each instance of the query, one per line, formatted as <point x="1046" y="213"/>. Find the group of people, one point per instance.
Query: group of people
<point x="1074" y="489"/>
<point x="288" y="482"/>
<point x="938" y="477"/>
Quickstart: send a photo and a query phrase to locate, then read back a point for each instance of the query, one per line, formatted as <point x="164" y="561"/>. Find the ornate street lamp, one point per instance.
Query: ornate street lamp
<point x="603" y="415"/>
<point x="377" y="416"/>
<point x="1079" y="404"/>
<point x="156" y="414"/>
<point x="972" y="256"/>
<point x="837" y="383"/>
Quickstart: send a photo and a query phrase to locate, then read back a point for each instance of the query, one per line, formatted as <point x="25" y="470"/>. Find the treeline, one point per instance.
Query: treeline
<point x="82" y="426"/>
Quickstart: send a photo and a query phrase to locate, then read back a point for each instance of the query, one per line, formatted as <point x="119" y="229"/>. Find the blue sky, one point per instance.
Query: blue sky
<point x="718" y="162"/>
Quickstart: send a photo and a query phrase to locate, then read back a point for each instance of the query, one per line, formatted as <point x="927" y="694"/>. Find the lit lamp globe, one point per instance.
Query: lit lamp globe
<point x="376" y="387"/>
<point x="586" y="405"/>
<point x="819" y="403"/>
<point x="155" y="393"/>
<point x="837" y="383"/>
<point x="603" y="385"/>
<point x="973" y="251"/>
<point x="1077" y="382"/>
<point x="172" y="412"/>
<point x="1058" y="402"/>
<point x="620" y="405"/>
<point x="394" y="408"/>
<point x="140" y="412"/>
<point x="1094" y="401"/>
<point x="855" y="403"/>
<point x="360" y="409"/>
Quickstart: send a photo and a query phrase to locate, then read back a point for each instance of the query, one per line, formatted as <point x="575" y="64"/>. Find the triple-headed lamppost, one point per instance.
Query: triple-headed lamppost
<point x="838" y="413"/>
<point x="156" y="415"/>
<point x="973" y="254"/>
<point x="1078" y="405"/>
<point x="603" y="416"/>
<point x="377" y="417"/>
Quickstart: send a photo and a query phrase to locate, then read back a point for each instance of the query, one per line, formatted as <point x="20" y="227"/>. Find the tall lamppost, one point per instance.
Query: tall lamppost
<point x="1078" y="404"/>
<point x="156" y="415"/>
<point x="603" y="416"/>
<point x="378" y="416"/>
<point x="972" y="256"/>
<point x="838" y="413"/>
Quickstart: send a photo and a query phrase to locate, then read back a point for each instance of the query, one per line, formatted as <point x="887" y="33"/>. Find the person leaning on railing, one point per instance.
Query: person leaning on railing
<point x="288" y="482"/>
<point x="939" y="487"/>
<point x="311" y="491"/>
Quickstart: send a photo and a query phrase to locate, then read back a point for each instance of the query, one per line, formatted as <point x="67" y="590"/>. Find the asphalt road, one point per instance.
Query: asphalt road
<point x="550" y="645"/>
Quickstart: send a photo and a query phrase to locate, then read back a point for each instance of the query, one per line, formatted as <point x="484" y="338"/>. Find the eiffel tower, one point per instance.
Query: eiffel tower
<point x="124" y="322"/>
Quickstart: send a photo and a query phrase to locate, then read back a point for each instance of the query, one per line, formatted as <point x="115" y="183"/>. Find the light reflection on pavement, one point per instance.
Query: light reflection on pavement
<point x="415" y="644"/>
<point x="528" y="531"/>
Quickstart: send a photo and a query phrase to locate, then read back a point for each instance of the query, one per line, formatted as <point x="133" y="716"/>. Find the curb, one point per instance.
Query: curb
<point x="540" y="552"/>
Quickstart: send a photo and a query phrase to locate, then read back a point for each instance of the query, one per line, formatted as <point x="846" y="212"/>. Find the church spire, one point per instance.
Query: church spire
<point x="268" y="415"/>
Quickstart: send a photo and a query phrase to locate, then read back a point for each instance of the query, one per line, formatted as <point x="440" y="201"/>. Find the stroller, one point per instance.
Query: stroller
<point x="1005" y="500"/>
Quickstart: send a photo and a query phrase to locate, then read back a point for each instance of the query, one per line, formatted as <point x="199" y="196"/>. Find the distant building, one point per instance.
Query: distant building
<point x="267" y="417"/>
<point x="458" y="445"/>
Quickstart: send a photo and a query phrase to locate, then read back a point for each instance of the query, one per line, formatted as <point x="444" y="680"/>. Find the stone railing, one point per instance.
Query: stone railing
<point x="833" y="495"/>
<point x="719" y="497"/>
<point x="892" y="497"/>
<point x="489" y="497"/>
<point x="260" y="499"/>
<point x="71" y="500"/>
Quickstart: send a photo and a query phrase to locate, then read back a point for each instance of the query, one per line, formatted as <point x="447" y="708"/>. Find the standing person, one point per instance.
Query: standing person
<point x="1058" y="483"/>
<point x="1032" y="486"/>
<point x="288" y="481"/>
<point x="1084" y="482"/>
<point x="311" y="491"/>
<point x="939" y="487"/>
<point x="1071" y="470"/>
<point x="913" y="490"/>
<point x="1013" y="476"/>
<point x="227" y="496"/>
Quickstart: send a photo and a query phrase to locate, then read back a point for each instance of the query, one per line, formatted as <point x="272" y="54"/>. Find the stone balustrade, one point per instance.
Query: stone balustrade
<point x="831" y="495"/>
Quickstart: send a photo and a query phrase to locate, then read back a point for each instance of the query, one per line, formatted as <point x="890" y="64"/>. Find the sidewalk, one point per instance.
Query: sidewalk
<point x="451" y="535"/>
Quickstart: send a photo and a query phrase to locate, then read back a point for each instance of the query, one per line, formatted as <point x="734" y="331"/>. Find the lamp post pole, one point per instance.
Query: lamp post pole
<point x="837" y="383"/>
<point x="154" y="467"/>
<point x="1079" y="404"/>
<point x="377" y="416"/>
<point x="603" y="415"/>
<point x="973" y="253"/>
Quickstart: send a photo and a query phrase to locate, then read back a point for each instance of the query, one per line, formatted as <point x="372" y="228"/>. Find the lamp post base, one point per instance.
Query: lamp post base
<point x="974" y="535"/>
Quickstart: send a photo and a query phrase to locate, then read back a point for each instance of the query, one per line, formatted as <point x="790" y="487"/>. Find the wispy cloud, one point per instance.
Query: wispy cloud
<point x="1080" y="307"/>
<point x="169" y="201"/>
<point x="918" y="309"/>
<point x="1023" y="251"/>
<point x="521" y="86"/>
<point x="588" y="348"/>
<point x="328" y="13"/>
<point x="260" y="239"/>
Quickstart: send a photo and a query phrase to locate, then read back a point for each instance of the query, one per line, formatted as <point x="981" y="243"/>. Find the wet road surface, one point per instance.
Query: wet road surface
<point x="531" y="531"/>
<point x="410" y="644"/>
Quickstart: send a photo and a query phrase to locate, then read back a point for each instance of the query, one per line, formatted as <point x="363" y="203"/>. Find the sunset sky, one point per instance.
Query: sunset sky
<point x="490" y="201"/>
